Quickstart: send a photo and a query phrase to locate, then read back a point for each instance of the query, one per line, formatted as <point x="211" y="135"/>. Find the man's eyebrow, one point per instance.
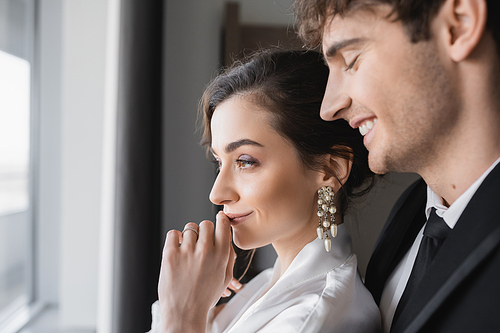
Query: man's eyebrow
<point x="334" y="48"/>
<point x="236" y="144"/>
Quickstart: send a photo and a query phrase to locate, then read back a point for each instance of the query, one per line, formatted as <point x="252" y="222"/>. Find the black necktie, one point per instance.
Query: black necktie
<point x="435" y="233"/>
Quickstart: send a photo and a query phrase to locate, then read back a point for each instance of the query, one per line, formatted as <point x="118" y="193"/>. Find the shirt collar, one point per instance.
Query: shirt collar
<point x="310" y="262"/>
<point x="452" y="214"/>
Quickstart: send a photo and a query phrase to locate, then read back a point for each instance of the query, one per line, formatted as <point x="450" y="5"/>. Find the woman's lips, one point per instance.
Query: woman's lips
<point x="237" y="218"/>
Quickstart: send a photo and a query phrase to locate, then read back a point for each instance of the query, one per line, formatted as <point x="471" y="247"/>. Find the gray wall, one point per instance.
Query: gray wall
<point x="193" y="32"/>
<point x="265" y="12"/>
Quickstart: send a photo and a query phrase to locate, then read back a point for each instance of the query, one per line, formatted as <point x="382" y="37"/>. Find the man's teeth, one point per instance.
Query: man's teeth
<point x="367" y="126"/>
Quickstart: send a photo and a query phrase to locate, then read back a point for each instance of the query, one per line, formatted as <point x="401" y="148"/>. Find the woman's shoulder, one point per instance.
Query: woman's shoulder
<point x="316" y="303"/>
<point x="349" y="305"/>
<point x="339" y="303"/>
<point x="315" y="310"/>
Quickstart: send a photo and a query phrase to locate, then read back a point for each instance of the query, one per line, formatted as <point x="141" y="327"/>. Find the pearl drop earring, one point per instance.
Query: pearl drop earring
<point x="326" y="214"/>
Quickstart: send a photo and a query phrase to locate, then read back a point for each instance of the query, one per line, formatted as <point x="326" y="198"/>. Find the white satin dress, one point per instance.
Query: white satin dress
<point x="319" y="292"/>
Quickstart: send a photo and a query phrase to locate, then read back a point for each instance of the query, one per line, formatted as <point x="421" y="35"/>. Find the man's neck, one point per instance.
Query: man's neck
<point x="464" y="158"/>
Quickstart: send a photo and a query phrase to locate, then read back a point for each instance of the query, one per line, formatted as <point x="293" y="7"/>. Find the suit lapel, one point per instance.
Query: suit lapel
<point x="477" y="222"/>
<point x="491" y="243"/>
<point x="404" y="223"/>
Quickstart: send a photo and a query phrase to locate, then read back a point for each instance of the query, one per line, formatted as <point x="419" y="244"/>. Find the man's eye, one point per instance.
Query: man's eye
<point x="351" y="65"/>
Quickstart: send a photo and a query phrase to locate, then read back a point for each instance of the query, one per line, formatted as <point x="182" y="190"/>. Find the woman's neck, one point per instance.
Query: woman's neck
<point x="288" y="248"/>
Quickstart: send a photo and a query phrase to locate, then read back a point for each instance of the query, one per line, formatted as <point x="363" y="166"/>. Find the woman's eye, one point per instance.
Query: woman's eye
<point x="244" y="163"/>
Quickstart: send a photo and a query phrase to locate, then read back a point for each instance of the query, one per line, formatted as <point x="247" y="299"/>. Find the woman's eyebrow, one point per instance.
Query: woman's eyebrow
<point x="236" y="144"/>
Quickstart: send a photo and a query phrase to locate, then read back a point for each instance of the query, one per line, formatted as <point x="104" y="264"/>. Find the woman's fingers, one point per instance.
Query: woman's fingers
<point x="206" y="233"/>
<point x="195" y="274"/>
<point x="230" y="266"/>
<point x="235" y="285"/>
<point x="226" y="293"/>
<point x="190" y="235"/>
<point x="223" y="233"/>
<point x="223" y="244"/>
<point x="173" y="239"/>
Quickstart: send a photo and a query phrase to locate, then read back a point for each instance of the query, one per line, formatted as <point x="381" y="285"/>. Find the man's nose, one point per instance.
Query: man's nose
<point x="335" y="100"/>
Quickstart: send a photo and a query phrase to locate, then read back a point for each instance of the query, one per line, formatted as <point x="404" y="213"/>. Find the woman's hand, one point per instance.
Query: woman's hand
<point x="195" y="271"/>
<point x="234" y="285"/>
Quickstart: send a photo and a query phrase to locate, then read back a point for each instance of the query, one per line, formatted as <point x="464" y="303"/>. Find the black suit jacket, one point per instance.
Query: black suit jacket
<point x="460" y="291"/>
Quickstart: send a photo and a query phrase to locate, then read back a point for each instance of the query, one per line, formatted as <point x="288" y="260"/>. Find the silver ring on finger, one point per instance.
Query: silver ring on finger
<point x="191" y="229"/>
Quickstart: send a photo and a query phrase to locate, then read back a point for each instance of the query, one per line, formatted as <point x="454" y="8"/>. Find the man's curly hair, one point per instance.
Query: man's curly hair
<point x="415" y="15"/>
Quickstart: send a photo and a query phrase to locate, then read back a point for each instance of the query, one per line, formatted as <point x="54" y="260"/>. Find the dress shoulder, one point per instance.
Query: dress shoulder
<point x="333" y="302"/>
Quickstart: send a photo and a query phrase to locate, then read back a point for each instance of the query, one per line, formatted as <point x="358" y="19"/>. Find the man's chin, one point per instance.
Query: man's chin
<point x="377" y="166"/>
<point x="382" y="165"/>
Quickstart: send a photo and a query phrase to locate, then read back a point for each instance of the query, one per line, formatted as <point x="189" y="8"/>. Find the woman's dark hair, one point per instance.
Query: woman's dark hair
<point x="290" y="86"/>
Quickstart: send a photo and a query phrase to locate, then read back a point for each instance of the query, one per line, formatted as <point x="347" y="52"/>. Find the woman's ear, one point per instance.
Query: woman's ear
<point x="461" y="23"/>
<point x="336" y="171"/>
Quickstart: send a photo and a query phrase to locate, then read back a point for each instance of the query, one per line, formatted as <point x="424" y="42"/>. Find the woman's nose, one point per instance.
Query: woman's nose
<point x="223" y="191"/>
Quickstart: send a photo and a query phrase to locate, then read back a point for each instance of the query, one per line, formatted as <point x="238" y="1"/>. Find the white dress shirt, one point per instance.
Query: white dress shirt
<point x="319" y="292"/>
<point x="396" y="282"/>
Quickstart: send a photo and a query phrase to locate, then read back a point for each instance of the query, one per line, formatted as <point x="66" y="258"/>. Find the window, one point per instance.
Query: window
<point x="16" y="154"/>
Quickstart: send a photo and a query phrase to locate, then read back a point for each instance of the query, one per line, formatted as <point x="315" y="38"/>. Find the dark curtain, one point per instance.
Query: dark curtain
<point x="138" y="238"/>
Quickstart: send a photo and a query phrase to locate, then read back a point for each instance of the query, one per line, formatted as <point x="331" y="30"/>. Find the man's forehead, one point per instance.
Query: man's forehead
<point x="340" y="32"/>
<point x="353" y="25"/>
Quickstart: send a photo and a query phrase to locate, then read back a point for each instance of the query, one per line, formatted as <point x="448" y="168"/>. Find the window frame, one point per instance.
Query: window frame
<point x="16" y="315"/>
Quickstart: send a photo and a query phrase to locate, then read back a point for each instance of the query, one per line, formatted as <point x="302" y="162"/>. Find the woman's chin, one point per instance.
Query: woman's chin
<point x="244" y="244"/>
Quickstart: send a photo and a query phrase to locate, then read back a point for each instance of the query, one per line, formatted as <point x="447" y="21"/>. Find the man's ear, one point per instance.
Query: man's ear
<point x="461" y="23"/>
<point x="336" y="171"/>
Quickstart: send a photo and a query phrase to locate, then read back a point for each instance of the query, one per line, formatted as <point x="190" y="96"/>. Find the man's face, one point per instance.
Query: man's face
<point x="399" y="94"/>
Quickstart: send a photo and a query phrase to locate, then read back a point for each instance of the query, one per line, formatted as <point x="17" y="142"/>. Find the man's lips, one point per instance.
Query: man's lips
<point x="367" y="126"/>
<point x="237" y="218"/>
<point x="364" y="125"/>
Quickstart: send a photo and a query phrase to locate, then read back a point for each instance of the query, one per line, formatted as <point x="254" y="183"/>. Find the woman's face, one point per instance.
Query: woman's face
<point x="267" y="193"/>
